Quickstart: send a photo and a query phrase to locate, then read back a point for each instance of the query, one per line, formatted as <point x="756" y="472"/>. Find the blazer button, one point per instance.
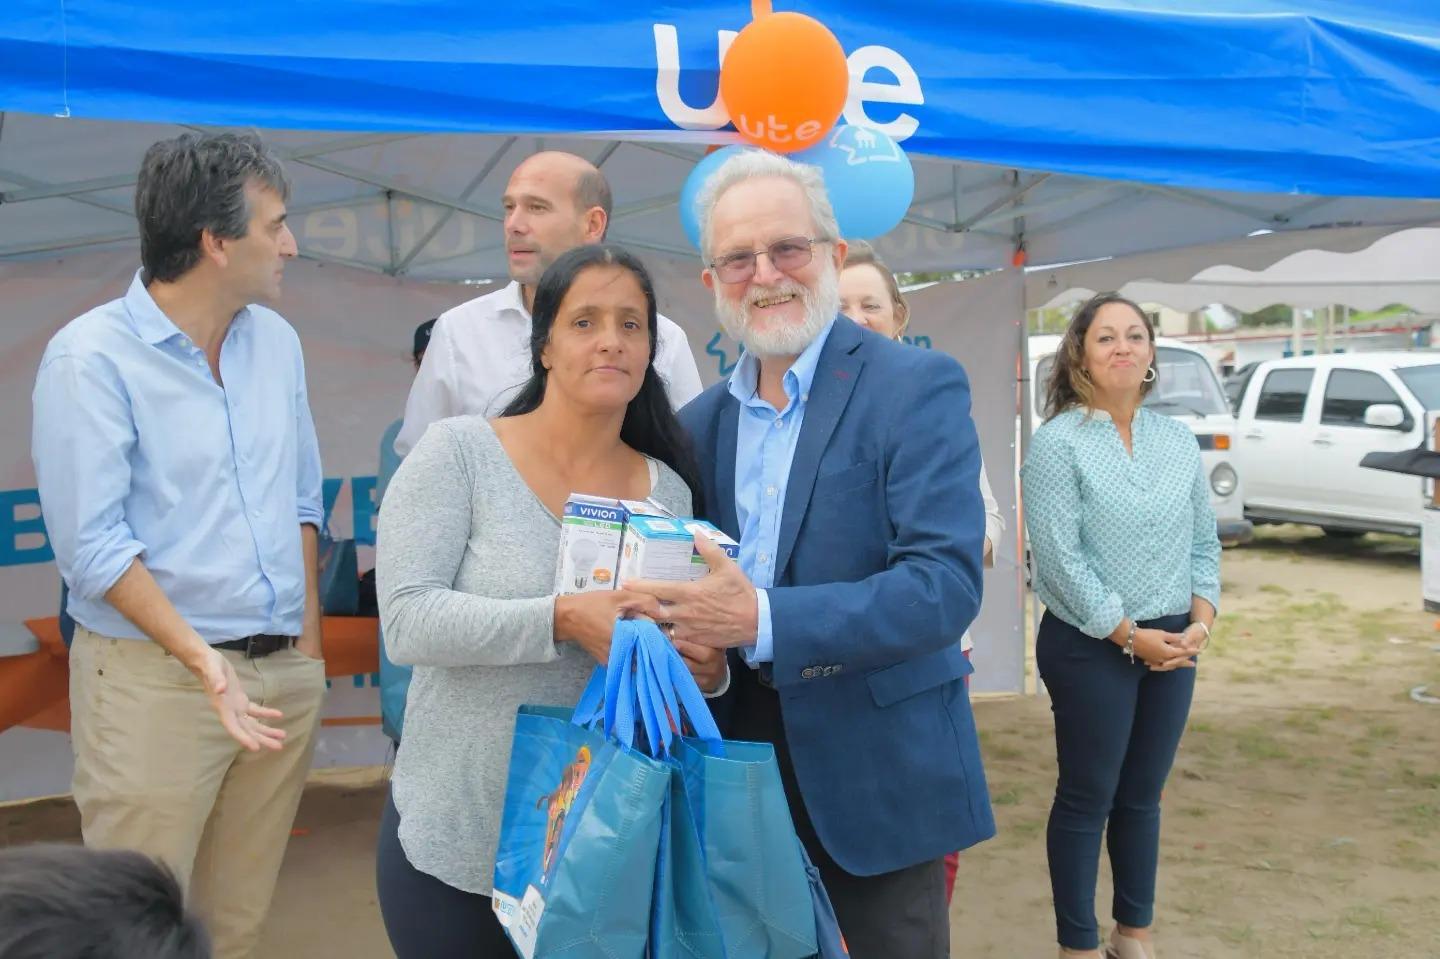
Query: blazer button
<point x="831" y="670"/>
<point x="808" y="672"/>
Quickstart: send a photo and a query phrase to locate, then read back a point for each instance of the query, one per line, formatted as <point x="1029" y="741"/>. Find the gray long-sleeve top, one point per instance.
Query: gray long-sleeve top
<point x="465" y="569"/>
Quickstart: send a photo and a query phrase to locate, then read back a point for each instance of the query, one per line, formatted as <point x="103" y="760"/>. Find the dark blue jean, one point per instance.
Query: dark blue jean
<point x="1117" y="727"/>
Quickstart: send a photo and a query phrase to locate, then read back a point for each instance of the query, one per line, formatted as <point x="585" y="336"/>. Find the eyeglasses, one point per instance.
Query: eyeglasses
<point x="786" y="255"/>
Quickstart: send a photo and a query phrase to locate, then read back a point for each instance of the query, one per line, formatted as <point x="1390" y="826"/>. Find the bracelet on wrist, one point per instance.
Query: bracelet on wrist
<point x="1130" y="642"/>
<point x="1207" y="633"/>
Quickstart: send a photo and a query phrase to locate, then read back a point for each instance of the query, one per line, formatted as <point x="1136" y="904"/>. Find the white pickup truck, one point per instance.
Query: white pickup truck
<point x="1306" y="422"/>
<point x="1189" y="391"/>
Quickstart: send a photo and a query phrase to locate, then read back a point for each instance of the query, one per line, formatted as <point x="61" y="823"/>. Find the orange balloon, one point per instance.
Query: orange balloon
<point x="784" y="81"/>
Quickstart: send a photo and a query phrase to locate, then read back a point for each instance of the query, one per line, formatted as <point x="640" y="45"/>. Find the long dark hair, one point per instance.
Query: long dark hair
<point x="650" y="426"/>
<point x="1069" y="385"/>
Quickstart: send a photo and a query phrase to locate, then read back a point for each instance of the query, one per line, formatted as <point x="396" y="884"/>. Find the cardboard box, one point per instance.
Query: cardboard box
<point x="657" y="547"/>
<point x="591" y="530"/>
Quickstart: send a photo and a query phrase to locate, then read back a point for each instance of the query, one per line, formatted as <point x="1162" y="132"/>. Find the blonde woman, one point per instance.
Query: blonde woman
<point x="870" y="295"/>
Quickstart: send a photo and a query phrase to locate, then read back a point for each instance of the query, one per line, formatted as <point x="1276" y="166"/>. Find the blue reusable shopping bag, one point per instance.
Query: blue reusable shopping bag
<point x="827" y="929"/>
<point x="731" y="881"/>
<point x="583" y="812"/>
<point x="339" y="576"/>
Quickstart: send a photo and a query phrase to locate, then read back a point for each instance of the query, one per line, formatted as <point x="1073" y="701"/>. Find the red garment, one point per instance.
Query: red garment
<point x="952" y="860"/>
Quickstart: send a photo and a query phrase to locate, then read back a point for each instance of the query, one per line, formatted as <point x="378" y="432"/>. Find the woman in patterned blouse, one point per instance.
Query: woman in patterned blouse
<point x="1127" y="562"/>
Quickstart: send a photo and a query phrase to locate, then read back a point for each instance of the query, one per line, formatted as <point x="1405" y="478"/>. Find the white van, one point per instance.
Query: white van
<point x="1305" y="423"/>
<point x="1188" y="390"/>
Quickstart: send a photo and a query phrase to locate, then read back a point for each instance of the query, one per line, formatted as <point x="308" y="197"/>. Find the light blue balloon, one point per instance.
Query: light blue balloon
<point x="689" y="210"/>
<point x="868" y="177"/>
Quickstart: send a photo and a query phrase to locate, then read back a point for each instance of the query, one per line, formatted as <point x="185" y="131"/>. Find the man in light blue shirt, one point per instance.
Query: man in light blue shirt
<point x="764" y="451"/>
<point x="180" y="481"/>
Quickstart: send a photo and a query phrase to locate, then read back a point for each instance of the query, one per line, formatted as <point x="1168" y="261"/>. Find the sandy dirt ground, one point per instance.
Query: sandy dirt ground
<point x="1302" y="819"/>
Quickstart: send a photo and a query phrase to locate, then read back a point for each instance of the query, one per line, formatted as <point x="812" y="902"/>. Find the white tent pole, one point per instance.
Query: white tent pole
<point x="99" y="239"/>
<point x="1126" y="195"/>
<point x="1024" y="391"/>
<point x="72" y="243"/>
<point x="401" y="189"/>
<point x="122" y="180"/>
<point x="645" y="206"/>
<point x="1201" y="199"/>
<point x="1309" y="206"/>
<point x="390" y="230"/>
<point x="28" y="183"/>
<point x="986" y="214"/>
<point x="1001" y="215"/>
<point x="607" y="153"/>
<point x="470" y="188"/>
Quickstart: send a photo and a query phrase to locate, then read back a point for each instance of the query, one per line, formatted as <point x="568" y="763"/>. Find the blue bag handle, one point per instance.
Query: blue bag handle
<point x="642" y="692"/>
<point x="657" y="703"/>
<point x="645" y="675"/>
<point x="658" y="734"/>
<point x="620" y="691"/>
<point x="673" y="686"/>
<point x="590" y="710"/>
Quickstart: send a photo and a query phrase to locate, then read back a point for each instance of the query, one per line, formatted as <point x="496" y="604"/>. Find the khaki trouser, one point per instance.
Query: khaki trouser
<point x="155" y="771"/>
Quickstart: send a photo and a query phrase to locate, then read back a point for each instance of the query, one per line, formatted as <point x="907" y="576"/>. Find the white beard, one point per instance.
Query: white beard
<point x="821" y="305"/>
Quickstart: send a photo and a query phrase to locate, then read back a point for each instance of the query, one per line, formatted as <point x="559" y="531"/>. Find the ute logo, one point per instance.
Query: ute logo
<point x="902" y="86"/>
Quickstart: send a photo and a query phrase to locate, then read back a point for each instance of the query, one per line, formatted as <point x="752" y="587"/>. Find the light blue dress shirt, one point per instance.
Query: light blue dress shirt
<point x="1116" y="535"/>
<point x="139" y="452"/>
<point x="764" y="449"/>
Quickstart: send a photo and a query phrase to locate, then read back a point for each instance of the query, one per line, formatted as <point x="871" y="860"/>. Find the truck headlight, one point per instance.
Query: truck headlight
<point x="1223" y="479"/>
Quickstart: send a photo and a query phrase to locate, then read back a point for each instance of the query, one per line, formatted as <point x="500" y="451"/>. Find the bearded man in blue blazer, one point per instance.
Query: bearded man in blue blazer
<point x="847" y="467"/>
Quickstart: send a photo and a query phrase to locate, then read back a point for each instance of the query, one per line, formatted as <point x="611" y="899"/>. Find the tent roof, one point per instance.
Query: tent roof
<point x="1361" y="268"/>
<point x="1076" y="128"/>
<point x="1324" y="97"/>
<point x="427" y="206"/>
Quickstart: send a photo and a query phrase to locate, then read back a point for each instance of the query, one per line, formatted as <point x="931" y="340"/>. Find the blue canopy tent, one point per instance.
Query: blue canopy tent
<point x="1077" y="128"/>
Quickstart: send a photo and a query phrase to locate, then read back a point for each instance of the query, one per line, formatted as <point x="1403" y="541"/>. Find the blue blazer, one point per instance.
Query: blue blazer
<point x="877" y="577"/>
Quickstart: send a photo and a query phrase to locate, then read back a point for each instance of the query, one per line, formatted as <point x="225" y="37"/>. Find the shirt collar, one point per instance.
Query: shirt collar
<point x="512" y="299"/>
<point x="1105" y="417"/>
<point x="150" y="322"/>
<point x="746" y="375"/>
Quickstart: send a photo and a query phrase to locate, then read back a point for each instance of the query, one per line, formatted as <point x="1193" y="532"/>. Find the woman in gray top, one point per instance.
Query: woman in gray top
<point x="466" y="559"/>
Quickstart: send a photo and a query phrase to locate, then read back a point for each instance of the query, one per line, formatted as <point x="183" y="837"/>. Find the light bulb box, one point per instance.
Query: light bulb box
<point x="663" y="547"/>
<point x="591" y="529"/>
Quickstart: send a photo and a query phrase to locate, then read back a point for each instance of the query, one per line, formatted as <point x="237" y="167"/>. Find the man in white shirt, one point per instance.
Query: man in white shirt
<point x="479" y="353"/>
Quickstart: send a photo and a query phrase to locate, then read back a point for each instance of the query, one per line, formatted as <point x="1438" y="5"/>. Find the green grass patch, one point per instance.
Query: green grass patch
<point x="1026" y="829"/>
<point x="1256" y="743"/>
<point x="1369" y="920"/>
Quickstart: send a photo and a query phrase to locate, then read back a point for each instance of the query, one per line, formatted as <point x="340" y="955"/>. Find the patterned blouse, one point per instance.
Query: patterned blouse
<point x="1115" y="535"/>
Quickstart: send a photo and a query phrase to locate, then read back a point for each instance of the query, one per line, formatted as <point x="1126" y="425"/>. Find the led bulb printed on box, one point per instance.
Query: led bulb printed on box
<point x="657" y="547"/>
<point x="590" y="533"/>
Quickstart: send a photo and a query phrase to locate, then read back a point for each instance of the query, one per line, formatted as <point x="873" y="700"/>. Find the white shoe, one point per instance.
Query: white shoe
<point x="1123" y="947"/>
